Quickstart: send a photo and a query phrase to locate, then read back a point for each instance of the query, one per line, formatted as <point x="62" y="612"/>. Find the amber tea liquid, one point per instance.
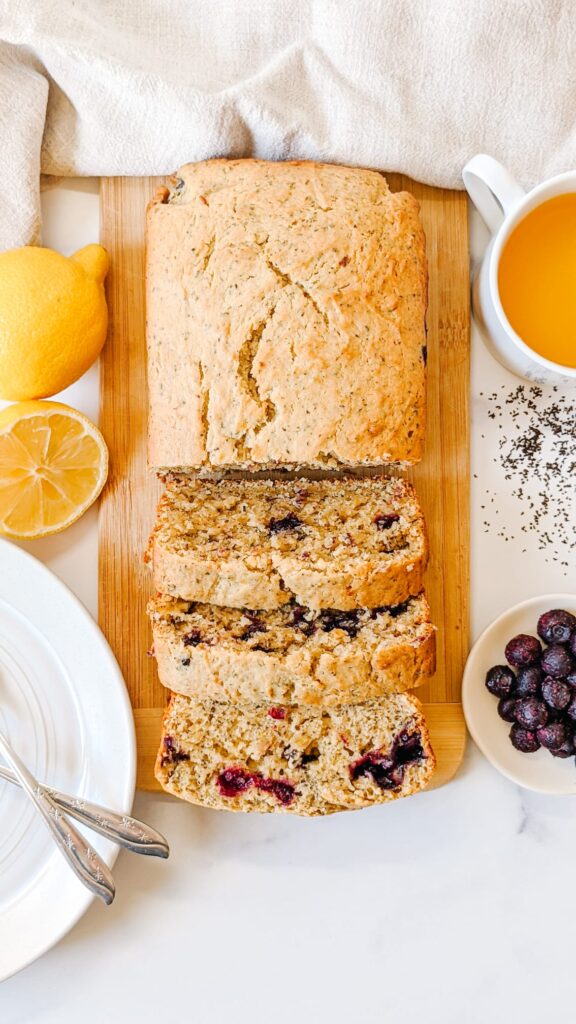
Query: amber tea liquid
<point x="537" y="279"/>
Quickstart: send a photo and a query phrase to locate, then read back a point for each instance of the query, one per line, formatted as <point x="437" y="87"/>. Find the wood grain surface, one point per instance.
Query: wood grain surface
<point x="442" y="480"/>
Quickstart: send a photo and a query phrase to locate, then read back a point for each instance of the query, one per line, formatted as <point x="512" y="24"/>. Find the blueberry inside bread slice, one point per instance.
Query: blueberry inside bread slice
<point x="292" y="654"/>
<point x="344" y="544"/>
<point x="307" y="761"/>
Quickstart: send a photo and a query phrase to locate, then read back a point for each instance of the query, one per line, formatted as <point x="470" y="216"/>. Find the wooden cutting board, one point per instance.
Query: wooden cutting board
<point x="442" y="480"/>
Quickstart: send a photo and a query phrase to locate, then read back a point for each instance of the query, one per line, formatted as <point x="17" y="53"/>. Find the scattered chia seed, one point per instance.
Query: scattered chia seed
<point x="537" y="453"/>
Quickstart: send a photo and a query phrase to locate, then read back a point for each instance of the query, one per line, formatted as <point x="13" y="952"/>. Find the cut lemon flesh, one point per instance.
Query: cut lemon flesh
<point x="53" y="465"/>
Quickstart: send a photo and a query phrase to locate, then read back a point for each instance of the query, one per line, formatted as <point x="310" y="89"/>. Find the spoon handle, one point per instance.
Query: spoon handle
<point x="82" y="858"/>
<point x="122" y="829"/>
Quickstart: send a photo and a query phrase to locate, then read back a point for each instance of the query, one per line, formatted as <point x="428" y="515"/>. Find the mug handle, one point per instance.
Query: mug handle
<point x="491" y="188"/>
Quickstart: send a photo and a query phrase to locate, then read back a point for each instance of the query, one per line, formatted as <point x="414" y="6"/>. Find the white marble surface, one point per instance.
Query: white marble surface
<point x="454" y="907"/>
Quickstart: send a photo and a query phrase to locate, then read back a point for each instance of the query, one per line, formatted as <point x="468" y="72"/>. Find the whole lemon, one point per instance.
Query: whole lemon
<point x="53" y="318"/>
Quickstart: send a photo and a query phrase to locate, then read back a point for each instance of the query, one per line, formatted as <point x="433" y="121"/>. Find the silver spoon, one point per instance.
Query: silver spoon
<point x="128" y="832"/>
<point x="82" y="858"/>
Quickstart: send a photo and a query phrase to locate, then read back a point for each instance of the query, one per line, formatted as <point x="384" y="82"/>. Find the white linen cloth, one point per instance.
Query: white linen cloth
<point x="139" y="87"/>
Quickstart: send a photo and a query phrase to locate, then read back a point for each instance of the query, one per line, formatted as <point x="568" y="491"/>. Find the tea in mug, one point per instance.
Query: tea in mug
<point x="537" y="279"/>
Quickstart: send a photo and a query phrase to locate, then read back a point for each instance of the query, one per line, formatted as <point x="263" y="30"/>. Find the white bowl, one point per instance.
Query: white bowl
<point x="540" y="771"/>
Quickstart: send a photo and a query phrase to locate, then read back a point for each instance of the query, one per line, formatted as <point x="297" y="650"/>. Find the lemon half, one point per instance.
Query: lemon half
<point x="53" y="465"/>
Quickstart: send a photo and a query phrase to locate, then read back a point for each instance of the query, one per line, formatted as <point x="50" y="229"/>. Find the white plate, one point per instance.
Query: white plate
<point x="65" y="709"/>
<point x="540" y="771"/>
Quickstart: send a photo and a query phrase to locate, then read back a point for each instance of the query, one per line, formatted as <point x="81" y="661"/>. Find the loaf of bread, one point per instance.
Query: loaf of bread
<point x="285" y="318"/>
<point x="258" y="544"/>
<point x="254" y="757"/>
<point x="292" y="655"/>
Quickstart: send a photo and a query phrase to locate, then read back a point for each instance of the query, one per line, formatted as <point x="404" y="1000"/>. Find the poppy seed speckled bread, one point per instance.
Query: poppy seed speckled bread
<point x="285" y="318"/>
<point x="258" y="544"/>
<point x="254" y="757"/>
<point x="292" y="655"/>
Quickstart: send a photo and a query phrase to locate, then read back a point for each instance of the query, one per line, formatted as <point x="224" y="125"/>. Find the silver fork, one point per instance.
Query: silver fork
<point x="82" y="858"/>
<point x="122" y="829"/>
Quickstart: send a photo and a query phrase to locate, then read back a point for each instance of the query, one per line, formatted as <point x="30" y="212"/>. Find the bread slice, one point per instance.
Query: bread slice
<point x="345" y="544"/>
<point x="254" y="757"/>
<point x="285" y="318"/>
<point x="292" y="655"/>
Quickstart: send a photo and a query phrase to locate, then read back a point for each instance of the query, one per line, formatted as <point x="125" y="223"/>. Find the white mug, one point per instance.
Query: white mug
<point x="502" y="204"/>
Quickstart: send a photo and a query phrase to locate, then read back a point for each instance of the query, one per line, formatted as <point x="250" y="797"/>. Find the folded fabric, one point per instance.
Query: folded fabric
<point x="418" y="86"/>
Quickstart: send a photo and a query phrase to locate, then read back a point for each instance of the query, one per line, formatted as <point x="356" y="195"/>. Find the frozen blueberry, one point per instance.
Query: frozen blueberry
<point x="556" y="693"/>
<point x="524" y="739"/>
<point x="570" y="679"/>
<point x="506" y="708"/>
<point x="572" y="644"/>
<point x="522" y="650"/>
<point x="566" y="749"/>
<point x="528" y="682"/>
<point x="552" y="735"/>
<point x="555" y="626"/>
<point x="531" y="713"/>
<point x="500" y="680"/>
<point x="571" y="709"/>
<point x="556" y="662"/>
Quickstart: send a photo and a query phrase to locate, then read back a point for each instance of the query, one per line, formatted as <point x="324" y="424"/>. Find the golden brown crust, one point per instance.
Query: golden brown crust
<point x="313" y="754"/>
<point x="285" y="306"/>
